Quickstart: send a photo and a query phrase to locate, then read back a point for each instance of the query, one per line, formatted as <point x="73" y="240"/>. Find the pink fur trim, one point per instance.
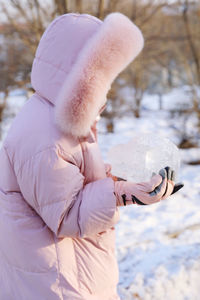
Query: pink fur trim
<point x="117" y="42"/>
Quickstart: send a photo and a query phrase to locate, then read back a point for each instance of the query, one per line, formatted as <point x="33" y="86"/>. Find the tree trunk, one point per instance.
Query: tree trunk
<point x="61" y="6"/>
<point x="100" y="14"/>
<point x="2" y="107"/>
<point x="138" y="100"/>
<point x="79" y="6"/>
<point x="191" y="41"/>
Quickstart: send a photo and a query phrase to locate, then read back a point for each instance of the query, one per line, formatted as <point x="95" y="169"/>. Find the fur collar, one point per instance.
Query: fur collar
<point x="115" y="44"/>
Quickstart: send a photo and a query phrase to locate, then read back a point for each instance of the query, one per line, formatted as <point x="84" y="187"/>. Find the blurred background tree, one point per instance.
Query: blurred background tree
<point x="170" y="58"/>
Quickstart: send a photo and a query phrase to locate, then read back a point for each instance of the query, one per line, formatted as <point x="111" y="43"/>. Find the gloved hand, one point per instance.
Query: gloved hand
<point x="158" y="188"/>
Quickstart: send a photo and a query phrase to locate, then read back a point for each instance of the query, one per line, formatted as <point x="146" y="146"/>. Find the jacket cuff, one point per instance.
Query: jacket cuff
<point x="98" y="209"/>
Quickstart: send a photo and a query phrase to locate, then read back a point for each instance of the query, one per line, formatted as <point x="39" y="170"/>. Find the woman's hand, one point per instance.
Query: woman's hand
<point x="158" y="188"/>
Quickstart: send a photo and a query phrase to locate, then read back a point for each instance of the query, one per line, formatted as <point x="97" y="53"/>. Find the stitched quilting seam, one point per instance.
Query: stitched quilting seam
<point x="58" y="267"/>
<point x="31" y="157"/>
<point x="52" y="65"/>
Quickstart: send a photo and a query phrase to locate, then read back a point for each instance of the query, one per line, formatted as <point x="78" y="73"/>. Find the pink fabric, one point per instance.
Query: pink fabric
<point x="78" y="58"/>
<point x="113" y="46"/>
<point x="57" y="213"/>
<point x="58" y="51"/>
<point x="142" y="190"/>
<point x="57" y="206"/>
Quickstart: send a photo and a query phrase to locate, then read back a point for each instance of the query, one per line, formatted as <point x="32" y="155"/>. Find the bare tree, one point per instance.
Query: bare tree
<point x="79" y="5"/>
<point x="61" y="6"/>
<point x="167" y="30"/>
<point x="101" y="9"/>
<point x="190" y="38"/>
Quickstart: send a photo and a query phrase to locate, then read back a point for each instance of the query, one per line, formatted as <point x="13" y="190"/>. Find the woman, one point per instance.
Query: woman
<point x="58" y="201"/>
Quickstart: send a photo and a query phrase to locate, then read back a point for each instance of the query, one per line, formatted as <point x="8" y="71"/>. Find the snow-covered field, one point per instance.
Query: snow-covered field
<point x="158" y="246"/>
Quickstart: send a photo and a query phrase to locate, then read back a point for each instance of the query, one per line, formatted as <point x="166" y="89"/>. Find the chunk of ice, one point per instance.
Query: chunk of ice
<point x="143" y="155"/>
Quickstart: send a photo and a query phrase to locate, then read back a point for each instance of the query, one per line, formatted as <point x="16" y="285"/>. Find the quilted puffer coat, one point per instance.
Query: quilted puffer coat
<point x="57" y="206"/>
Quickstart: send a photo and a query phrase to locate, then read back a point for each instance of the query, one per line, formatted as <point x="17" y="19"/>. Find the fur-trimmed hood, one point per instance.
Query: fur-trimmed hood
<point x="77" y="59"/>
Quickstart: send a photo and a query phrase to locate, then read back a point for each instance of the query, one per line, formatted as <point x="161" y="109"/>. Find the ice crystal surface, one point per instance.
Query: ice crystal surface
<point x="143" y="155"/>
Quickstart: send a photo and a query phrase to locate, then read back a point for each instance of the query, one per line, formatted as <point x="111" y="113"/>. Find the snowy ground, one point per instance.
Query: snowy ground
<point x="158" y="246"/>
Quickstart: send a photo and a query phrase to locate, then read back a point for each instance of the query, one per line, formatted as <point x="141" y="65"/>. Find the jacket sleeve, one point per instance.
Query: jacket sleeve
<point x="54" y="188"/>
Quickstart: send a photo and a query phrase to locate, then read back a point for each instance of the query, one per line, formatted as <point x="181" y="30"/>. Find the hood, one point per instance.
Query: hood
<point x="76" y="61"/>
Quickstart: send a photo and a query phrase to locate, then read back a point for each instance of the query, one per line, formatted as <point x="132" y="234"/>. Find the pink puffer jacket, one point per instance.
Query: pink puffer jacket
<point x="57" y="207"/>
